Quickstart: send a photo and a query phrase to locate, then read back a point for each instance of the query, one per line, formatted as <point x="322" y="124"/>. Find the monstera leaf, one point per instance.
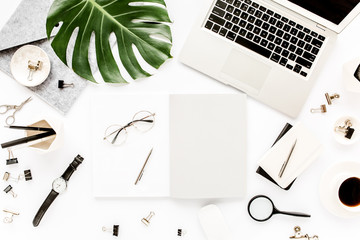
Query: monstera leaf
<point x="139" y="23"/>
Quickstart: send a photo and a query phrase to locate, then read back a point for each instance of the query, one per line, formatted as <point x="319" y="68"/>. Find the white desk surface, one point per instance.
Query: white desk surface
<point x="77" y="215"/>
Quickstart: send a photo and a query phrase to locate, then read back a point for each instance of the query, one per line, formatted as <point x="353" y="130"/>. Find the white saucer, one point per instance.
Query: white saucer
<point x="19" y="65"/>
<point x="329" y="192"/>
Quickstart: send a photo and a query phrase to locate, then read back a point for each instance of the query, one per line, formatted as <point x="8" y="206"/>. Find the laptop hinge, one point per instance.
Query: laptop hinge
<point x="321" y="27"/>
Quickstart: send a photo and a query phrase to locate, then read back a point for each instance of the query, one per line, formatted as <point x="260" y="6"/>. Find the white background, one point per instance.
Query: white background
<point x="77" y="215"/>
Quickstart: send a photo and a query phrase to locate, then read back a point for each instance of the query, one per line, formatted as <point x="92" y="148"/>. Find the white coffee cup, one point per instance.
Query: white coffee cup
<point x="347" y="184"/>
<point x="351" y="83"/>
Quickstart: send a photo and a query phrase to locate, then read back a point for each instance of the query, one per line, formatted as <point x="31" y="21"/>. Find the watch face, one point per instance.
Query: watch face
<point x="59" y="185"/>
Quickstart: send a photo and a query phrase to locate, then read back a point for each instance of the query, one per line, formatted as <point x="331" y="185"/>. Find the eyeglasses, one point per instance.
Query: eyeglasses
<point x="142" y="121"/>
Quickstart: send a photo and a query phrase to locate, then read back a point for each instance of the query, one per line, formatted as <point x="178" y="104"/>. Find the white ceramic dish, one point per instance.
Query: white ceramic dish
<point x="19" y="65"/>
<point x="328" y="188"/>
<point x="340" y="137"/>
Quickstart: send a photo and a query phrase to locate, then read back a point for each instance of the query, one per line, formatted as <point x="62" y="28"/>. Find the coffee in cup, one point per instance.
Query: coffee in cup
<point x="349" y="192"/>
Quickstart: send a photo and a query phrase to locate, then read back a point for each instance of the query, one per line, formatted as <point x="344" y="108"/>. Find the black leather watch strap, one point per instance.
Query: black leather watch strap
<point x="46" y="204"/>
<point x="72" y="167"/>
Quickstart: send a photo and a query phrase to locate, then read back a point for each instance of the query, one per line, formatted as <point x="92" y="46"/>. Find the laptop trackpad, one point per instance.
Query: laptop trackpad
<point x="246" y="69"/>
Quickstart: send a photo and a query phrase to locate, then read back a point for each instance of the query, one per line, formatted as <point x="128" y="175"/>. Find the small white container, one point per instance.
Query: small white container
<point x="20" y="61"/>
<point x="340" y="137"/>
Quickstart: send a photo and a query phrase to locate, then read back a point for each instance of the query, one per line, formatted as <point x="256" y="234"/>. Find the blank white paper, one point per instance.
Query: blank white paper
<point x="208" y="145"/>
<point x="115" y="168"/>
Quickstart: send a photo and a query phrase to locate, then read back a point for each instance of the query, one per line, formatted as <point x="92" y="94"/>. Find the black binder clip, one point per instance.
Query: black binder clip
<point x="357" y="73"/>
<point x="8" y="189"/>
<point x="12" y="159"/>
<point x="62" y="84"/>
<point x="181" y="232"/>
<point x="347" y="130"/>
<point x="114" y="230"/>
<point x="27" y="175"/>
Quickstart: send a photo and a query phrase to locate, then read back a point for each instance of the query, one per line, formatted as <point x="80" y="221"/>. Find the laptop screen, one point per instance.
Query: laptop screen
<point x="333" y="10"/>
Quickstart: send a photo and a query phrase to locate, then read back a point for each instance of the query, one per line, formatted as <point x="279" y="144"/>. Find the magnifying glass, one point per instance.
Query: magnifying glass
<point x="261" y="208"/>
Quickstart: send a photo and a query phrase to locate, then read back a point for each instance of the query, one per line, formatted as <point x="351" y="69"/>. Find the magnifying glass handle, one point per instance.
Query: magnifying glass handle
<point x="296" y="214"/>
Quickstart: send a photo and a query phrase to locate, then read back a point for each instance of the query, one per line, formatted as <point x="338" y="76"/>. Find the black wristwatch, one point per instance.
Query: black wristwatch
<point x="58" y="186"/>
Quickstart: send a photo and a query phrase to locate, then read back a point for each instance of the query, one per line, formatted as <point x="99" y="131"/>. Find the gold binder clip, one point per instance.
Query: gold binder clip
<point x="322" y="109"/>
<point x="331" y="98"/>
<point x="9" y="219"/>
<point x="146" y="220"/>
<point x="33" y="67"/>
<point x="298" y="235"/>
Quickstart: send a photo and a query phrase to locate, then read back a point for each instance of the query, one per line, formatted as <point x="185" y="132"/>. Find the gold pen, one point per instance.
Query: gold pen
<point x="143" y="168"/>
<point x="287" y="160"/>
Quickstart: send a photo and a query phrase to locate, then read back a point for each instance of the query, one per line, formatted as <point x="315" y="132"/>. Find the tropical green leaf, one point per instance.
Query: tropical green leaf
<point x="134" y="22"/>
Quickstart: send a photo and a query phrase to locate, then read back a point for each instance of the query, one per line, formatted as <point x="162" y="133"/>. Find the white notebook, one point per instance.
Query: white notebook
<point x="199" y="143"/>
<point x="307" y="149"/>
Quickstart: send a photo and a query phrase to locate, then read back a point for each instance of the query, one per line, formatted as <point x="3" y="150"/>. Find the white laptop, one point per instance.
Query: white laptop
<point x="271" y="50"/>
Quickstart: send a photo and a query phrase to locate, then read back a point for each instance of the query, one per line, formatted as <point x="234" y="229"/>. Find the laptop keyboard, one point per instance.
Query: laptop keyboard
<point x="267" y="33"/>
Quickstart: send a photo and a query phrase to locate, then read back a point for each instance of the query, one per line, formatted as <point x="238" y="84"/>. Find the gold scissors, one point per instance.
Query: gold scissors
<point x="5" y="108"/>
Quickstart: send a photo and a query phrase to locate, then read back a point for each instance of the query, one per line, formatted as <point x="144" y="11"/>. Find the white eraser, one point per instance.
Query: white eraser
<point x="213" y="223"/>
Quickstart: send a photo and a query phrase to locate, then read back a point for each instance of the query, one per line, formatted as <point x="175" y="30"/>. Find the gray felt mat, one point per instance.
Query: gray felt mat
<point x="27" y="26"/>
